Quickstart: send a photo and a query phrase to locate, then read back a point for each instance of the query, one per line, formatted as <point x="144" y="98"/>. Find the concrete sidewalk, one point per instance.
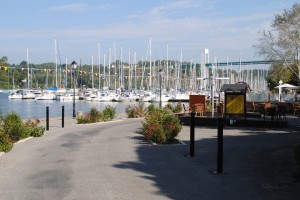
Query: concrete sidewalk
<point x="112" y="160"/>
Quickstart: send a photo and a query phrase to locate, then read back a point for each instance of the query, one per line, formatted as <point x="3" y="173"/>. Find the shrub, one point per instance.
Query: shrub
<point x="169" y="106"/>
<point x="135" y="111"/>
<point x="151" y="108"/>
<point x="14" y="127"/>
<point x="83" y="120"/>
<point x="33" y="129"/>
<point x="178" y="108"/>
<point x="5" y="143"/>
<point x="108" y="113"/>
<point x="161" y="126"/>
<point x="94" y="115"/>
<point x="174" y="109"/>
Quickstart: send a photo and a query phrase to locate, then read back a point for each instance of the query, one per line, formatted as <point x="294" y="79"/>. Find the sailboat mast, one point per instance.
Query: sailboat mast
<point x="115" y="67"/>
<point x="92" y="72"/>
<point x="129" y="70"/>
<point x="55" y="58"/>
<point x="104" y="72"/>
<point x="142" y="78"/>
<point x="99" y="64"/>
<point x="240" y="71"/>
<point x="122" y="68"/>
<point x="109" y="63"/>
<point x="135" y="78"/>
<point x="28" y="75"/>
<point x="66" y="73"/>
<point x="167" y="66"/>
<point x="150" y="56"/>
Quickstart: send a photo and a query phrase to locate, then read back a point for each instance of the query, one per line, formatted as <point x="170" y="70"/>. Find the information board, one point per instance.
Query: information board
<point x="235" y="104"/>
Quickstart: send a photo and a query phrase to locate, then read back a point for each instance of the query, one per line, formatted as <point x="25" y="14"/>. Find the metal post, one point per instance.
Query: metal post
<point x="47" y="118"/>
<point x="74" y="113"/>
<point x="74" y="65"/>
<point x="160" y="82"/>
<point x="220" y="146"/>
<point x="63" y="116"/>
<point x="160" y="90"/>
<point x="192" y="134"/>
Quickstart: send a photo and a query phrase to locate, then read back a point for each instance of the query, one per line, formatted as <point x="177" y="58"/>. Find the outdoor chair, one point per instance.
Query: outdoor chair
<point x="272" y="112"/>
<point x="296" y="109"/>
<point x="186" y="110"/>
<point x="281" y="111"/>
<point x="199" y="108"/>
<point x="262" y="110"/>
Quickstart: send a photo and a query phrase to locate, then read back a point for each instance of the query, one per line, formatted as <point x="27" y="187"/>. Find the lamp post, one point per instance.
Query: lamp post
<point x="280" y="89"/>
<point x="74" y="65"/>
<point x="160" y="80"/>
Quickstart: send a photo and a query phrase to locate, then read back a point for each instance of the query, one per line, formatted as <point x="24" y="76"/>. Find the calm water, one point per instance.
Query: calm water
<point x="31" y="108"/>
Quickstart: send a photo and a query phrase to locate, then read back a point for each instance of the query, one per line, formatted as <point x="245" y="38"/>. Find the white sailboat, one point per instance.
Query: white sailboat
<point x="15" y="94"/>
<point x="46" y="95"/>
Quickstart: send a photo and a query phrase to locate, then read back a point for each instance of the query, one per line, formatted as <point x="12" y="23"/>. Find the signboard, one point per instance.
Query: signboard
<point x="196" y="99"/>
<point x="235" y="103"/>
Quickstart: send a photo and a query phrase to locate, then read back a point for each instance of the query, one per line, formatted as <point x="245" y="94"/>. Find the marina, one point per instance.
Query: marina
<point x="32" y="108"/>
<point x="36" y="108"/>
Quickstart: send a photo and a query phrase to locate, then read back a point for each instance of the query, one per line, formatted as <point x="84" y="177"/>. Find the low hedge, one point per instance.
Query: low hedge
<point x="95" y="115"/>
<point x="160" y="126"/>
<point x="13" y="129"/>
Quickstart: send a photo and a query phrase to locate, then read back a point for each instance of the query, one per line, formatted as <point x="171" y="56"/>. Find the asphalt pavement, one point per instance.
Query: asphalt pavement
<point x="112" y="160"/>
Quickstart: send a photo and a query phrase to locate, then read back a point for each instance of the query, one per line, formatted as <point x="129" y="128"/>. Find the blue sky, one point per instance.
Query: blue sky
<point x="226" y="27"/>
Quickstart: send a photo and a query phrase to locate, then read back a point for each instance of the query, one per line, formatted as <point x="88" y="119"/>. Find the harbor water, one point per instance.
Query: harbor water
<point x="31" y="108"/>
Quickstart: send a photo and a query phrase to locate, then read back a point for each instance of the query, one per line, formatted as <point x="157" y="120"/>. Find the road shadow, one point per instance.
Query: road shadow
<point x="258" y="164"/>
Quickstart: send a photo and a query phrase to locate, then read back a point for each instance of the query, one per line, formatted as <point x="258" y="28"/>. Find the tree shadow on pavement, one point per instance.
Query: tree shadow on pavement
<point x="258" y="164"/>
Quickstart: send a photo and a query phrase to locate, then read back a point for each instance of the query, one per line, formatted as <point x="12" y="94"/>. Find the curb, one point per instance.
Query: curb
<point x="20" y="141"/>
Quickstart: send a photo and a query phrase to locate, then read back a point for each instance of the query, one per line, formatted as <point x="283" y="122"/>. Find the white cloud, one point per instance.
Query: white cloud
<point x="78" y="7"/>
<point x="177" y="5"/>
<point x="169" y="23"/>
<point x="70" y="7"/>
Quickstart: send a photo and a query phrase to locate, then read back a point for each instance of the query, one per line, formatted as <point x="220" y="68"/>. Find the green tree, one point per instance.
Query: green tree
<point x="276" y="73"/>
<point x="283" y="43"/>
<point x="3" y="61"/>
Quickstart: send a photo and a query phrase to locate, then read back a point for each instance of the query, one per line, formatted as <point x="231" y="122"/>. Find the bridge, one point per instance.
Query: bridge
<point x="245" y="63"/>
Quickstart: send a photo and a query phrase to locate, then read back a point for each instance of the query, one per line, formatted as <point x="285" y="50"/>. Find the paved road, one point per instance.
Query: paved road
<point x="112" y="161"/>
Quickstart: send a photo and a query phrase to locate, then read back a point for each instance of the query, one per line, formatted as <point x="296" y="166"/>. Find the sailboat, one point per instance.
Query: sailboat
<point x="46" y="95"/>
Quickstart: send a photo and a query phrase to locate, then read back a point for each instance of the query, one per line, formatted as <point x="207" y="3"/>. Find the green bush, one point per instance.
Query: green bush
<point x="161" y="126"/>
<point x="178" y="108"/>
<point x="108" y="113"/>
<point x="5" y="143"/>
<point x="174" y="109"/>
<point x="95" y="115"/>
<point x="83" y="120"/>
<point x="169" y="106"/>
<point x="14" y="127"/>
<point x="33" y="129"/>
<point x="135" y="111"/>
<point x="92" y="116"/>
<point x="151" y="108"/>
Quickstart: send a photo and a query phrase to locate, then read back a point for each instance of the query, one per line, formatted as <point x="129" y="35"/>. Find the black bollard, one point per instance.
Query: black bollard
<point x="63" y="116"/>
<point x="47" y="118"/>
<point x="220" y="146"/>
<point x="192" y="134"/>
